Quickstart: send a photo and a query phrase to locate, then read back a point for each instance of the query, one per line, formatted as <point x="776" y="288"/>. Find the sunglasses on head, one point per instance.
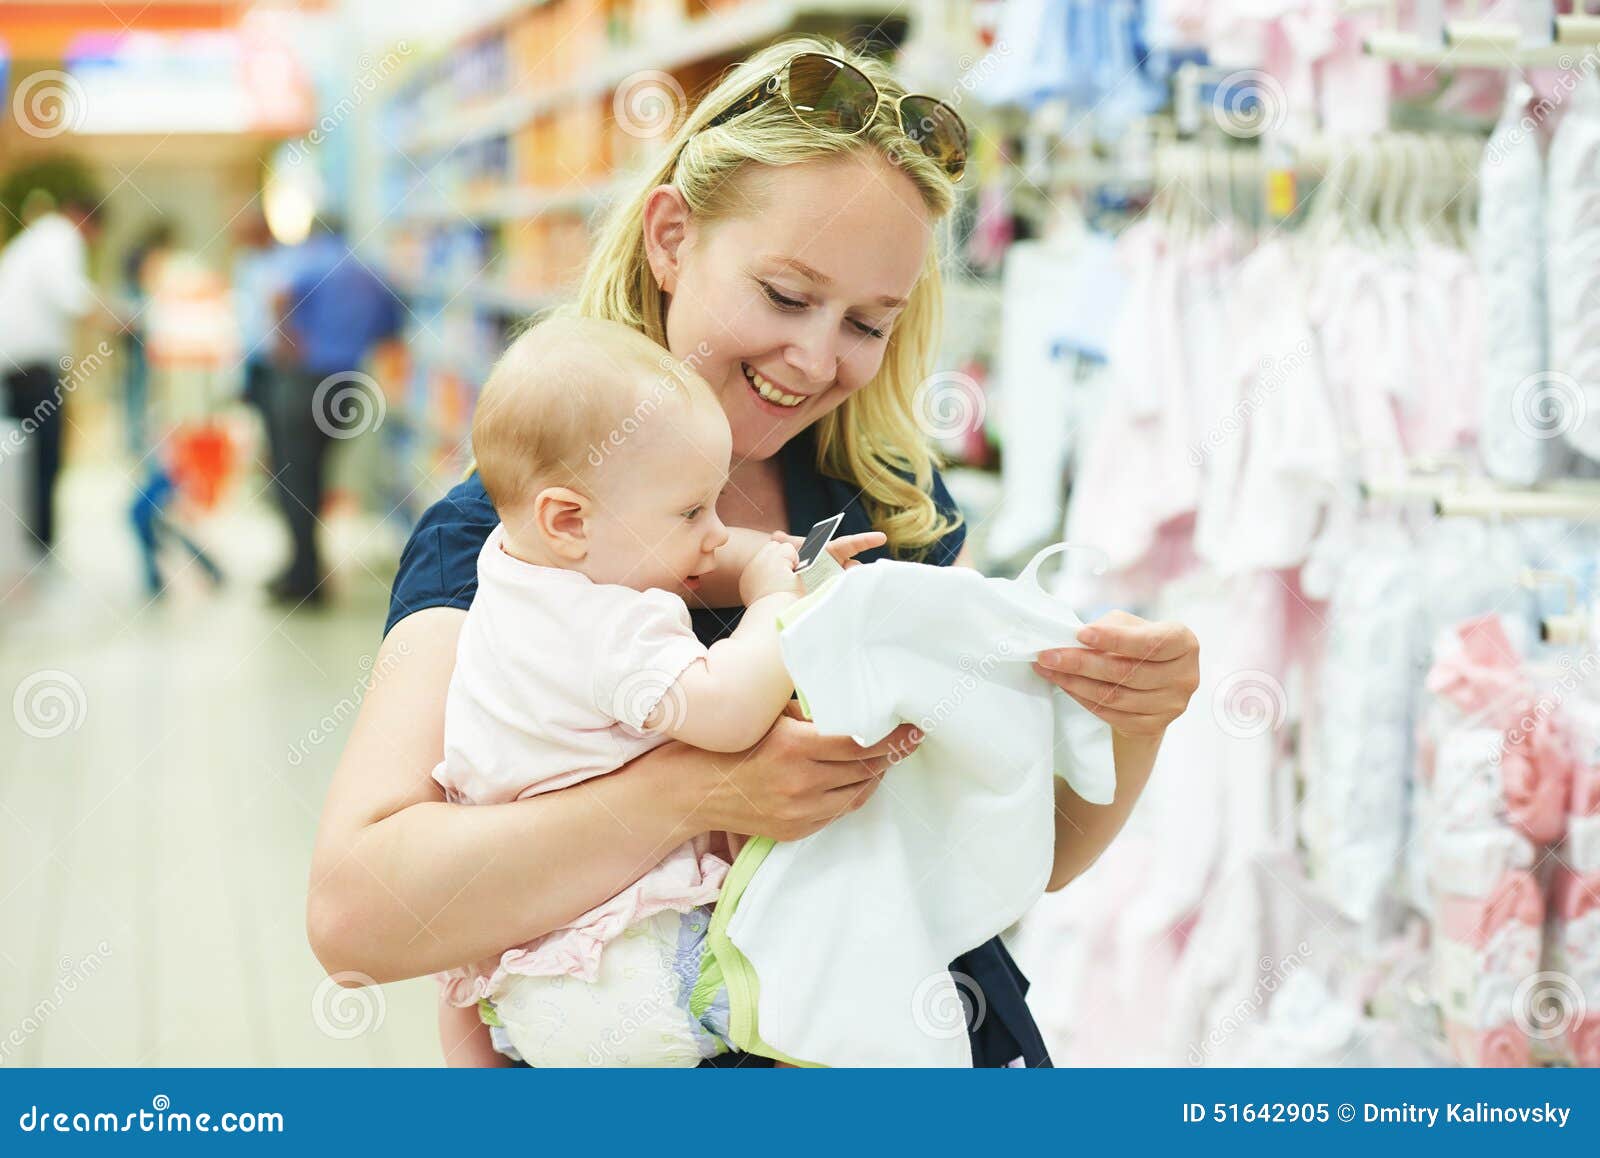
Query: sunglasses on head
<point x="829" y="94"/>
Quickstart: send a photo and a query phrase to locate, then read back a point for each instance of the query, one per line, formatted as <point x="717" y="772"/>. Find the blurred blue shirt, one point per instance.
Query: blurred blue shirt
<point x="338" y="308"/>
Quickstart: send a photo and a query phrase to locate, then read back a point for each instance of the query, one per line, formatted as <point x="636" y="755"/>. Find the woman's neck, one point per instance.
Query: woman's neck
<point x="754" y="496"/>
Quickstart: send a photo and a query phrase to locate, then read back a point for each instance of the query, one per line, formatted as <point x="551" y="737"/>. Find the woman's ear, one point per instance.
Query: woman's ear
<point x="666" y="219"/>
<point x="561" y="517"/>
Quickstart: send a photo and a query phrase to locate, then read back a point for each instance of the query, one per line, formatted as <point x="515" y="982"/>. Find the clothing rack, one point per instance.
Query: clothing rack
<point x="1452" y="497"/>
<point x="1473" y="43"/>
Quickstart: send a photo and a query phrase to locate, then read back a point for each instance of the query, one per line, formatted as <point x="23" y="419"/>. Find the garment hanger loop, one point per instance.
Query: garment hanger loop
<point x="1030" y="573"/>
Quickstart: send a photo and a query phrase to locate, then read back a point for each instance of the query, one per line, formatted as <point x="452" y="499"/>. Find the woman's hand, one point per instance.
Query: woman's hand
<point x="845" y="548"/>
<point x="796" y="780"/>
<point x="1135" y="675"/>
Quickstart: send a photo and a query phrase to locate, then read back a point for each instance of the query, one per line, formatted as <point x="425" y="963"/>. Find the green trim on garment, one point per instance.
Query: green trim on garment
<point x="723" y="964"/>
<point x="486" y="1013"/>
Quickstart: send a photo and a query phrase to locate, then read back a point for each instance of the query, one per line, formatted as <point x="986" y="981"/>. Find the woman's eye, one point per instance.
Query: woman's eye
<point x="869" y="331"/>
<point x="780" y="300"/>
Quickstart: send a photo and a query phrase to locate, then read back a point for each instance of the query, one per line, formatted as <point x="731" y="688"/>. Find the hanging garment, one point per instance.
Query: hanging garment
<point x="1448" y="351"/>
<point x="1572" y="228"/>
<point x="1355" y="809"/>
<point x="1137" y="470"/>
<point x="1034" y="395"/>
<point x="1523" y="412"/>
<point x="835" y="948"/>
<point x="1272" y="456"/>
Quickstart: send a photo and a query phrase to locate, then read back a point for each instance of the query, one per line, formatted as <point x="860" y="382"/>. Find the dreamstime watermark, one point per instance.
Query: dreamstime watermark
<point x="1548" y="404"/>
<point x="49" y="703"/>
<point x="973" y="73"/>
<point x="674" y="374"/>
<point x="1549" y="704"/>
<point x="653" y="698"/>
<point x="330" y="724"/>
<point x="948" y="405"/>
<point x="973" y="672"/>
<point x="648" y="104"/>
<point x="1249" y="103"/>
<point x="1249" y="703"/>
<point x="75" y="372"/>
<point x="633" y="1018"/>
<point x="1569" y="74"/>
<point x="70" y="975"/>
<point x="348" y="404"/>
<point x="347" y="1005"/>
<point x="49" y="103"/>
<point x="1273" y="975"/>
<point x="366" y="83"/>
<point x="1547" y="1005"/>
<point x="948" y="1005"/>
<point x="1274" y="372"/>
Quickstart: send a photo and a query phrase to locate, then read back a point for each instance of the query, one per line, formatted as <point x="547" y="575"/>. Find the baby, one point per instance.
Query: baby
<point x="604" y="458"/>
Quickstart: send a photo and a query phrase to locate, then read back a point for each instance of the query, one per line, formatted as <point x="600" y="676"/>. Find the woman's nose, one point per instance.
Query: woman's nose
<point x="814" y="352"/>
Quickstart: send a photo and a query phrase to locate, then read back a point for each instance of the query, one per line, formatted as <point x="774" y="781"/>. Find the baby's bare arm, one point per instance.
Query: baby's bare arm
<point x="728" y="701"/>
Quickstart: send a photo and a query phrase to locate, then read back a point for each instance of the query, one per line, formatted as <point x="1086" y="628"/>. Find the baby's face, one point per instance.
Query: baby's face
<point x="656" y="521"/>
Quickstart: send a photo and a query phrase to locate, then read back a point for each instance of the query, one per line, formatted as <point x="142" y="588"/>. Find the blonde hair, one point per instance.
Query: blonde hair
<point x="872" y="440"/>
<point x="565" y="394"/>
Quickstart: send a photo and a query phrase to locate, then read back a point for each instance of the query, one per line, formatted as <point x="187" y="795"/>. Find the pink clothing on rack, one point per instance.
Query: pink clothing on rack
<point x="1585" y="790"/>
<point x="1536" y="775"/>
<point x="1573" y="895"/>
<point x="1475" y="920"/>
<point x="1485" y="679"/>
<point x="1583" y="1042"/>
<point x="1503" y="1047"/>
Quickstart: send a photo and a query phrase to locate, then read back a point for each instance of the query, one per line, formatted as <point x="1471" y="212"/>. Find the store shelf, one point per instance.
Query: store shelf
<point x="483" y="293"/>
<point x="513" y="204"/>
<point x="750" y="24"/>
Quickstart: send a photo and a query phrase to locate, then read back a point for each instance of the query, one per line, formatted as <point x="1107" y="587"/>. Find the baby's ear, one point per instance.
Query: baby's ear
<point x="561" y="516"/>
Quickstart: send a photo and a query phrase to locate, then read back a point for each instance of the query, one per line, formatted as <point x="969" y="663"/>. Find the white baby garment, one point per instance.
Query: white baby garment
<point x="851" y="930"/>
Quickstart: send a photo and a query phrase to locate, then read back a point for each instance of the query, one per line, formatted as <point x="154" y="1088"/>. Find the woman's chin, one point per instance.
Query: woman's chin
<point x="757" y="441"/>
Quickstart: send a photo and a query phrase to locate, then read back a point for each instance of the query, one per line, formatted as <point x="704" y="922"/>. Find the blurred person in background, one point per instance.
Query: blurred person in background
<point x="141" y="266"/>
<point x="260" y="267"/>
<point x="332" y="316"/>
<point x="44" y="292"/>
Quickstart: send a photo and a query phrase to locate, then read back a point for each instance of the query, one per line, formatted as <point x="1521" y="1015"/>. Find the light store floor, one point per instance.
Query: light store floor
<point x="155" y="828"/>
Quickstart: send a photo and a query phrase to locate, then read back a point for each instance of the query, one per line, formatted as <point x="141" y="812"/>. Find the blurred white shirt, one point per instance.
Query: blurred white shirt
<point x="44" y="290"/>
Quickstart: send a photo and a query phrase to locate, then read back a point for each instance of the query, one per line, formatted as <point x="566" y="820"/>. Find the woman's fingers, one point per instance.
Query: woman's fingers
<point x="1100" y="693"/>
<point x="899" y="743"/>
<point x="1118" y="669"/>
<point x="846" y="547"/>
<point x="1128" y="723"/>
<point x="841" y="800"/>
<point x="1123" y="634"/>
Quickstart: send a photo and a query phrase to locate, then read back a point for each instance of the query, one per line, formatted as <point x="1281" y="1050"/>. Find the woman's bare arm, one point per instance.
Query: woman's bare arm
<point x="403" y="883"/>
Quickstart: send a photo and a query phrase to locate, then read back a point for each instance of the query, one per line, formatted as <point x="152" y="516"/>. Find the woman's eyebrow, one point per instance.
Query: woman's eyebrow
<point x="821" y="278"/>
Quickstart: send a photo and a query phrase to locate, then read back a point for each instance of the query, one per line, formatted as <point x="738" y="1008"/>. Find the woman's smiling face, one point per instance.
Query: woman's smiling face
<point x="786" y="310"/>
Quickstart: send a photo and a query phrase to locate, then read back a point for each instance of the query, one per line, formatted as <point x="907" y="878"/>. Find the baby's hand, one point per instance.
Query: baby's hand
<point x="845" y="548"/>
<point x="771" y="571"/>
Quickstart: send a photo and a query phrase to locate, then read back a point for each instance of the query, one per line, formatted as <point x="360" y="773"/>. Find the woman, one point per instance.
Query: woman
<point x="793" y="266"/>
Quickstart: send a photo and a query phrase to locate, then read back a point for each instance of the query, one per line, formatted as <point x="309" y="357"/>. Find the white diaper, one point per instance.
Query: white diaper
<point x="634" y="1014"/>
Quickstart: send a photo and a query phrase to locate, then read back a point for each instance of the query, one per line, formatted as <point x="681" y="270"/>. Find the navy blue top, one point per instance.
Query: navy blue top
<point x="439" y="568"/>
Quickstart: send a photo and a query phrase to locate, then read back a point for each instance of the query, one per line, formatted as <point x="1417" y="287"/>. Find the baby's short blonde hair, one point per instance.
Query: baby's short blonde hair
<point x="565" y="396"/>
